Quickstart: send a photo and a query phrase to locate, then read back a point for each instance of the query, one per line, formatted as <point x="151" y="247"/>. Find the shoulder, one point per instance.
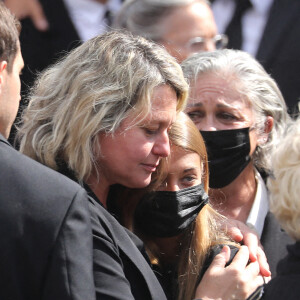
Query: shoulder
<point x="30" y="186"/>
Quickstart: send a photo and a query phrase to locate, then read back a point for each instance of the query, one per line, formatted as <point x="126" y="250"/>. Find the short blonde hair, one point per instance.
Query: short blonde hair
<point x="92" y="90"/>
<point x="285" y="186"/>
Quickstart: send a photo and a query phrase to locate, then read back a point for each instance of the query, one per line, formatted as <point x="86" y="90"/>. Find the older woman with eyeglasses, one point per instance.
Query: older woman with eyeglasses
<point x="183" y="27"/>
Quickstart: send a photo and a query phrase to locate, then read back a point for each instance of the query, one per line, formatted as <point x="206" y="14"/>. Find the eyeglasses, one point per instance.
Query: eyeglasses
<point x="198" y="44"/>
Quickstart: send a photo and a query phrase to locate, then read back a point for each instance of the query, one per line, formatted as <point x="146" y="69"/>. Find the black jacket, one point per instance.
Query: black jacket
<point x="274" y="241"/>
<point x="46" y="244"/>
<point x="286" y="284"/>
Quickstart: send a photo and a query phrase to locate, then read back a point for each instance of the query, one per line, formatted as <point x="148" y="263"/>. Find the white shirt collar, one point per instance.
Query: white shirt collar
<point x="260" y="206"/>
<point x="262" y="6"/>
<point x="88" y="16"/>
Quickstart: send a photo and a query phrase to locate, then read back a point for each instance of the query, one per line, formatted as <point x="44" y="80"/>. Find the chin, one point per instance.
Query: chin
<point x="139" y="184"/>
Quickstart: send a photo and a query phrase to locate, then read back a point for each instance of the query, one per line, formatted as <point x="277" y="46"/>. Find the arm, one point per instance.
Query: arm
<point x="237" y="281"/>
<point x="29" y="8"/>
<point x="70" y="271"/>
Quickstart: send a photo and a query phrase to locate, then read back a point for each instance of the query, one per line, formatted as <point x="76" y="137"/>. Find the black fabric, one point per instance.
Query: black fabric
<point x="234" y="28"/>
<point x="274" y="240"/>
<point x="122" y="270"/>
<point x="285" y="285"/>
<point x="45" y="245"/>
<point x="228" y="154"/>
<point x="168" y="213"/>
<point x="167" y="274"/>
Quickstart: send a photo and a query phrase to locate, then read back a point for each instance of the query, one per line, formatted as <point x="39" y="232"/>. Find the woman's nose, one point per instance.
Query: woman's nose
<point x="161" y="146"/>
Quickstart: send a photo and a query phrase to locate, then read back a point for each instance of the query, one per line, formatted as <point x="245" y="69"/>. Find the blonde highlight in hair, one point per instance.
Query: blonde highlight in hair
<point x="285" y="186"/>
<point x="92" y="90"/>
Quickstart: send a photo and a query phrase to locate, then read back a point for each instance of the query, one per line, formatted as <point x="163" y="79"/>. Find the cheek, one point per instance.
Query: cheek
<point x="253" y="142"/>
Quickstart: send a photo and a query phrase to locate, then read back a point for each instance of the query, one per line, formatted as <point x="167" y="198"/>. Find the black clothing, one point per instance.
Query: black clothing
<point x="46" y="238"/>
<point x="274" y="240"/>
<point x="121" y="271"/>
<point x="286" y="284"/>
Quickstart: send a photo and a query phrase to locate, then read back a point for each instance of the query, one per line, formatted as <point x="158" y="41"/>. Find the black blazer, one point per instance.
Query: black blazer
<point x="274" y="241"/>
<point x="40" y="49"/>
<point x="280" y="47"/>
<point x="120" y="270"/>
<point x="45" y="244"/>
<point x="286" y="284"/>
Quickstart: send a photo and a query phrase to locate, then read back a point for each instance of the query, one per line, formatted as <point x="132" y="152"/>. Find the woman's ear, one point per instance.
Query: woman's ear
<point x="268" y="128"/>
<point x="269" y="124"/>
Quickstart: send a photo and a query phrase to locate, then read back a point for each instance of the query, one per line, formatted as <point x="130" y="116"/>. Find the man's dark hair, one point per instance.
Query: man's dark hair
<point x="9" y="36"/>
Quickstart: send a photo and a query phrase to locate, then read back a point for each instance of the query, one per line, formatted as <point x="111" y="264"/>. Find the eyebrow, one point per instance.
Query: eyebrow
<point x="189" y="169"/>
<point x="220" y="105"/>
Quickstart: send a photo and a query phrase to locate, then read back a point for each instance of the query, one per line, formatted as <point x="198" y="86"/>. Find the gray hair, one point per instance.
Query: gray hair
<point x="146" y="17"/>
<point x="252" y="81"/>
<point x="92" y="90"/>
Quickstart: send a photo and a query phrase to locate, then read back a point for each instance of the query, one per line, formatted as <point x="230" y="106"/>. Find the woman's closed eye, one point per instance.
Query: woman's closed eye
<point x="151" y="130"/>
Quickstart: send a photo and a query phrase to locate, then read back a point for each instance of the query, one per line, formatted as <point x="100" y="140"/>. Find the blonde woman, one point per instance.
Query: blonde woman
<point x="284" y="186"/>
<point x="101" y="116"/>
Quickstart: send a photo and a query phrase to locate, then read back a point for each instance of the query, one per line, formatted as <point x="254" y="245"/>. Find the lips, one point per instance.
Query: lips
<point x="150" y="167"/>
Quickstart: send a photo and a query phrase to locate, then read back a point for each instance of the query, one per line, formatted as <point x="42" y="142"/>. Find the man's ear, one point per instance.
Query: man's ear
<point x="3" y="66"/>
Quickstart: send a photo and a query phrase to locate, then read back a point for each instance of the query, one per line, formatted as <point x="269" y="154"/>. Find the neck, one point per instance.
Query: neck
<point x="99" y="189"/>
<point x="236" y="199"/>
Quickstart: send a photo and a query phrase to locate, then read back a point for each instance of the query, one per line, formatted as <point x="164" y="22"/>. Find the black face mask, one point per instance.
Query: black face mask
<point x="166" y="213"/>
<point x="228" y="155"/>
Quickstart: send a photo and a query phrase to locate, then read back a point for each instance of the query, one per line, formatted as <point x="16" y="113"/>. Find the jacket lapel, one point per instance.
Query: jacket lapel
<point x="127" y="246"/>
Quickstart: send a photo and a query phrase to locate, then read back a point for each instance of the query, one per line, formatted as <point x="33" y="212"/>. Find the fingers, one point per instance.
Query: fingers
<point x="233" y="230"/>
<point x="241" y="259"/>
<point x="221" y="259"/>
<point x="262" y="261"/>
<point x="29" y="8"/>
<point x="37" y="15"/>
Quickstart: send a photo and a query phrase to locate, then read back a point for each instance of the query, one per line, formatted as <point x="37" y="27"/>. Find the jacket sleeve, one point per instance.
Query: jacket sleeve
<point x="70" y="270"/>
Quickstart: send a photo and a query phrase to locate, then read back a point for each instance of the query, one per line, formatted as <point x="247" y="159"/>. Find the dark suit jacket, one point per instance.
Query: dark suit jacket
<point x="45" y="230"/>
<point x="40" y="49"/>
<point x="120" y="270"/>
<point x="286" y="284"/>
<point x="274" y="241"/>
<point x="280" y="47"/>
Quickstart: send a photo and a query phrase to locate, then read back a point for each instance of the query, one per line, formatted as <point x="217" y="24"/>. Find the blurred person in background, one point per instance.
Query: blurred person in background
<point x="183" y="27"/>
<point x="269" y="31"/>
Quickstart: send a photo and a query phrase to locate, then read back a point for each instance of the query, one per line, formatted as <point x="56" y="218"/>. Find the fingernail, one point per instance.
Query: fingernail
<point x="42" y="25"/>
